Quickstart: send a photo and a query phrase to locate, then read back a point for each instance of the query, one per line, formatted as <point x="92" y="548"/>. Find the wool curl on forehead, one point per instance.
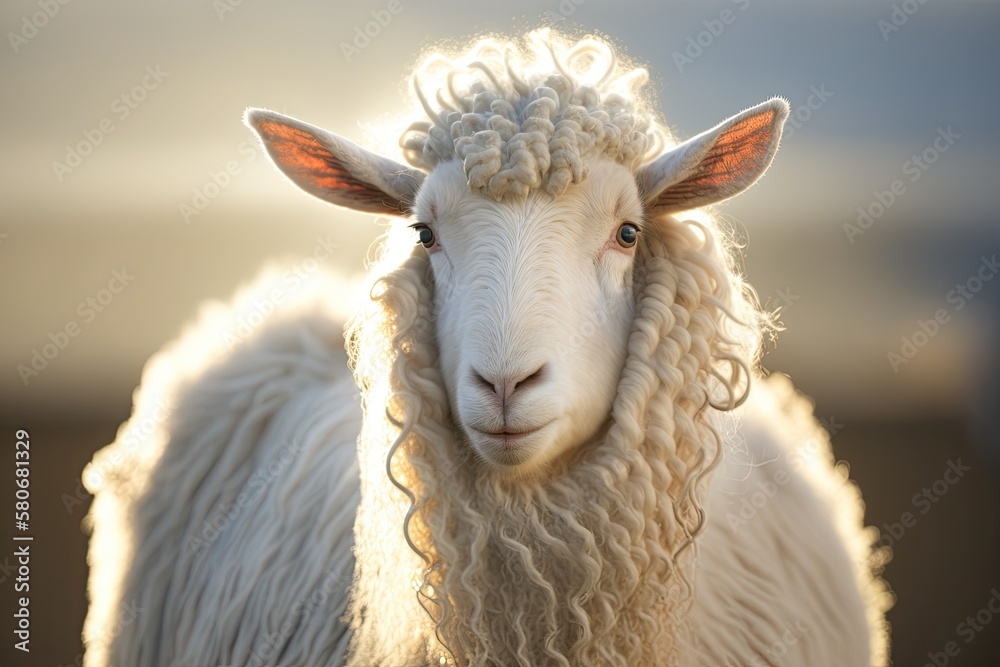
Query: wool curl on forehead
<point x="521" y="118"/>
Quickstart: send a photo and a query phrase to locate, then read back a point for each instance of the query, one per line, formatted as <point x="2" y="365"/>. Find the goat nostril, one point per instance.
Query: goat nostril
<point x="478" y="377"/>
<point x="503" y="387"/>
<point x="529" y="380"/>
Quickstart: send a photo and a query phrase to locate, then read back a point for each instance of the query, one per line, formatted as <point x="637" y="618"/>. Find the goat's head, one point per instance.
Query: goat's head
<point x="532" y="284"/>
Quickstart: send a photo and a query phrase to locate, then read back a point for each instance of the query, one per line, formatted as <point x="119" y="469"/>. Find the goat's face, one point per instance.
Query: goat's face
<point x="534" y="302"/>
<point x="533" y="295"/>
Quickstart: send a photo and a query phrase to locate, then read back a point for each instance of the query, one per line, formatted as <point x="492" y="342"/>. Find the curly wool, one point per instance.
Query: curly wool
<point x="509" y="572"/>
<point x="515" y="131"/>
<point x="478" y="578"/>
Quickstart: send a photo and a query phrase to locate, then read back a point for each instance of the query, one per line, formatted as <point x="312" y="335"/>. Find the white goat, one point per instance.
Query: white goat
<point x="564" y="456"/>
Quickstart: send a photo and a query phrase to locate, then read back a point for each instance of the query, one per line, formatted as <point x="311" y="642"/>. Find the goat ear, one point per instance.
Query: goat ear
<point x="716" y="164"/>
<point x="333" y="168"/>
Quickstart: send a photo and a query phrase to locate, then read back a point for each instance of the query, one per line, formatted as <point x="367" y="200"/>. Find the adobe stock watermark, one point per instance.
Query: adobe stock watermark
<point x="784" y="297"/>
<point x="923" y="502"/>
<point x="596" y="320"/>
<point x="364" y="34"/>
<point x="8" y="569"/>
<point x="803" y="113"/>
<point x="59" y="340"/>
<point x="126" y="616"/>
<point x="137" y="430"/>
<point x="566" y="9"/>
<point x="223" y="7"/>
<point x="255" y="486"/>
<point x="121" y="108"/>
<point x="703" y="40"/>
<point x="218" y="180"/>
<point x="752" y="502"/>
<point x="898" y="17"/>
<point x="335" y="580"/>
<point x="777" y="650"/>
<point x="914" y="169"/>
<point x="956" y="298"/>
<point x="264" y="305"/>
<point x="970" y="628"/>
<point x="31" y="24"/>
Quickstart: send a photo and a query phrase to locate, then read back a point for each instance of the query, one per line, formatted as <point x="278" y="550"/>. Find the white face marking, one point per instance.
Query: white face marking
<point x="534" y="304"/>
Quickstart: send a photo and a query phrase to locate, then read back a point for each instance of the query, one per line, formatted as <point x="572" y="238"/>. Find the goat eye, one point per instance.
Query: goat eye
<point x="425" y="234"/>
<point x="627" y="235"/>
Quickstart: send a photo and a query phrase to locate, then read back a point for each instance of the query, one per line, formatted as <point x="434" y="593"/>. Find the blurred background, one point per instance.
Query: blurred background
<point x="131" y="193"/>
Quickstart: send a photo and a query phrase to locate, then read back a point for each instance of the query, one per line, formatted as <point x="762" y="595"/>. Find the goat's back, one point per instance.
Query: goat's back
<point x="223" y="513"/>
<point x="784" y="572"/>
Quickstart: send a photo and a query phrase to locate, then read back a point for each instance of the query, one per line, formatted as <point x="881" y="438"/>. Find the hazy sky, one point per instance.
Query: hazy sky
<point x="156" y="91"/>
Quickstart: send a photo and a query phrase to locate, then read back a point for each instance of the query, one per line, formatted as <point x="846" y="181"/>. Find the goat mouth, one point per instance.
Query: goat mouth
<point x="507" y="451"/>
<point x="506" y="433"/>
<point x="509" y="433"/>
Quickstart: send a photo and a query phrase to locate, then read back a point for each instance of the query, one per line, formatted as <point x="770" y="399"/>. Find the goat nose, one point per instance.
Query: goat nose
<point x="504" y="386"/>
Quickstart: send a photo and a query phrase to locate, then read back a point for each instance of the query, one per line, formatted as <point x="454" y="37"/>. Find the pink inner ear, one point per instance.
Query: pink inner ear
<point x="308" y="161"/>
<point x="732" y="164"/>
<point x="737" y="151"/>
